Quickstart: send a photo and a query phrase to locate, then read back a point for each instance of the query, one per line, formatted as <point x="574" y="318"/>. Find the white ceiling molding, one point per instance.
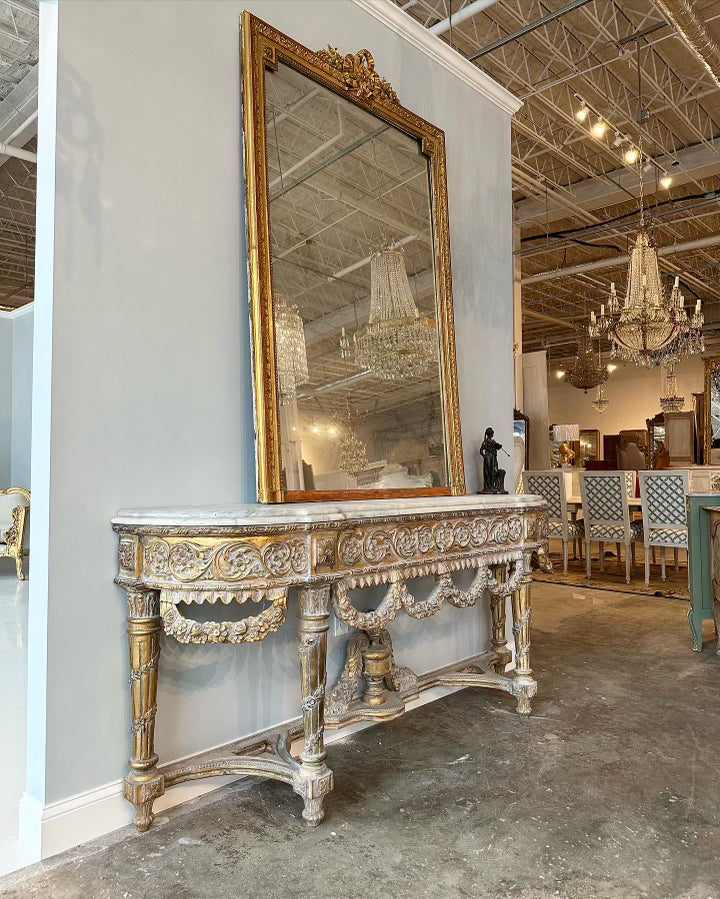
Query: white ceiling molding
<point x="414" y="33"/>
<point x="17" y="313"/>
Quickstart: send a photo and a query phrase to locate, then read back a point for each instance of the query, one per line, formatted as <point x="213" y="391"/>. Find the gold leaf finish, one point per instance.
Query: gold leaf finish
<point x="359" y="76"/>
<point x="354" y="77"/>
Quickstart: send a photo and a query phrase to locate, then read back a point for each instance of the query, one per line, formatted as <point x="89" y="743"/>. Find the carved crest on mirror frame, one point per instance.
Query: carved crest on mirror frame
<point x="359" y="75"/>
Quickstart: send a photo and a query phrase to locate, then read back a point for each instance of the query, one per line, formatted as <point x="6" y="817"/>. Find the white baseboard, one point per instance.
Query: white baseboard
<point x="46" y="830"/>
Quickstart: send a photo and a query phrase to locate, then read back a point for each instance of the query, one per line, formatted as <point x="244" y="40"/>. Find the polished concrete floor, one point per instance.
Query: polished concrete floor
<point x="610" y="789"/>
<point x="13" y="696"/>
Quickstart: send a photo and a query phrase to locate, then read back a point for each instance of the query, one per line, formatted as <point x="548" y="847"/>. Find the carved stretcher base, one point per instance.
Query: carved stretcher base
<point x="267" y="755"/>
<point x="483" y="670"/>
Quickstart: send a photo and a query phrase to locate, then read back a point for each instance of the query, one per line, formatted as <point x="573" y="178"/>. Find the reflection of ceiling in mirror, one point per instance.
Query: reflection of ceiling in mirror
<point x="342" y="184"/>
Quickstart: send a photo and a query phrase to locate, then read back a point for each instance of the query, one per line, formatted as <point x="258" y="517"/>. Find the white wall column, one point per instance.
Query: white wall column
<point x="517" y="320"/>
<point x="535" y="398"/>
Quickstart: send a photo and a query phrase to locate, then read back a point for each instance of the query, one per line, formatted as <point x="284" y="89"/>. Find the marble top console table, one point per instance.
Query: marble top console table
<point x="170" y="559"/>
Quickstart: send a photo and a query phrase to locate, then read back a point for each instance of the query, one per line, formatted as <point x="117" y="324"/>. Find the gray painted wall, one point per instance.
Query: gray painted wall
<point x="6" y="332"/>
<point x="22" y="361"/>
<point x="151" y="395"/>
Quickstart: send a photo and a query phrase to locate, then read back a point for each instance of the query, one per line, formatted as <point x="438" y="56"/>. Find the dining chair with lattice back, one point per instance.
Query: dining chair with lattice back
<point x="663" y="497"/>
<point x="551" y="486"/>
<point x="606" y="514"/>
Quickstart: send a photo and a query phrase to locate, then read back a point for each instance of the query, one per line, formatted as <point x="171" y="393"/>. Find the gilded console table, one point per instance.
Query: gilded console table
<point x="255" y="554"/>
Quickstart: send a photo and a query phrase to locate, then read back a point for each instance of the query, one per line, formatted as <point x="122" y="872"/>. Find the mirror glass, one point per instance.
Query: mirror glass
<point x="589" y="445"/>
<point x="354" y="295"/>
<point x="714" y="422"/>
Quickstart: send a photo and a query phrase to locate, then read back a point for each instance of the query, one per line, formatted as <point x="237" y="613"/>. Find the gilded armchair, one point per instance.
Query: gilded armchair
<point x="14" y="513"/>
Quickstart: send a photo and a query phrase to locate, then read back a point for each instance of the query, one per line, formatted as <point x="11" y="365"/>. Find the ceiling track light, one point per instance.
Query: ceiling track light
<point x="632" y="155"/>
<point x="599" y="128"/>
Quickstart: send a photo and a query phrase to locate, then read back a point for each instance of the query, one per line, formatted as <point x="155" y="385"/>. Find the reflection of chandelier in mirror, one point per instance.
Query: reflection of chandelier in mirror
<point x="397" y="342"/>
<point x="715" y="379"/>
<point x="587" y="371"/>
<point x="601" y="402"/>
<point x="670" y="401"/>
<point x="353" y="453"/>
<point x="291" y="358"/>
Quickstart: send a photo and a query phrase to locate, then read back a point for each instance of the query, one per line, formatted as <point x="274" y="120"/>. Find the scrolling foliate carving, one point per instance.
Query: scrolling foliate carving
<point x="357" y="71"/>
<point x="235" y="560"/>
<point x="393" y="543"/>
<point x="12" y="537"/>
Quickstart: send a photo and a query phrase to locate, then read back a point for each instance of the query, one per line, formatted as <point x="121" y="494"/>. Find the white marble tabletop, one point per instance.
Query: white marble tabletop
<point x="278" y="513"/>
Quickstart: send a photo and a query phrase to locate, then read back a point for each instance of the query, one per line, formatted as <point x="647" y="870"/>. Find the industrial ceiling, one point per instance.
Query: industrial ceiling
<point x="574" y="192"/>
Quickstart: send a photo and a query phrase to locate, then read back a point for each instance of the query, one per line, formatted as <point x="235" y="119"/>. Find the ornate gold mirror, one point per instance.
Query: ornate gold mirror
<point x="350" y="288"/>
<point x="711" y="450"/>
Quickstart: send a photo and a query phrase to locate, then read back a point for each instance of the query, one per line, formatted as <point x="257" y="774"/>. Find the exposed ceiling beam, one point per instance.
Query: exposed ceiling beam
<point x="526" y="29"/>
<point x="472" y="9"/>
<point x="553" y="319"/>
<point x="710" y="241"/>
<point x="694" y="163"/>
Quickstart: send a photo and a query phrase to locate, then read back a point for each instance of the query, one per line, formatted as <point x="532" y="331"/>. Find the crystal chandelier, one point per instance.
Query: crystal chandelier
<point x="291" y="355"/>
<point x="670" y="401"/>
<point x="353" y="453"/>
<point x="601" y="402"/>
<point x="648" y="329"/>
<point x="398" y="342"/>
<point x="588" y="370"/>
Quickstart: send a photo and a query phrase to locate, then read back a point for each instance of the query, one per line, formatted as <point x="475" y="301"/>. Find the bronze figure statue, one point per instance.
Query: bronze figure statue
<point x="493" y="476"/>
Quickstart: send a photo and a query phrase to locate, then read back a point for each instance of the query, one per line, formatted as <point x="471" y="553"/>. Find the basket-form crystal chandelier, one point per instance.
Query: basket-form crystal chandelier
<point x="398" y="342"/>
<point x="648" y="329"/>
<point x="291" y="354"/>
<point x="670" y="401"/>
<point x="587" y="371"/>
<point x="601" y="402"/>
<point x="353" y="453"/>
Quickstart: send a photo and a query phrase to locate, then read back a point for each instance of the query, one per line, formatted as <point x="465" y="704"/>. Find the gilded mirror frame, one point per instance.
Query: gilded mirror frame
<point x="354" y="78"/>
<point x="711" y="363"/>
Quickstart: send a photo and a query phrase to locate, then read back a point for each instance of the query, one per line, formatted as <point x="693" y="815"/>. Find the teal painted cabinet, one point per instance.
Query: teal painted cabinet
<point x="699" y="560"/>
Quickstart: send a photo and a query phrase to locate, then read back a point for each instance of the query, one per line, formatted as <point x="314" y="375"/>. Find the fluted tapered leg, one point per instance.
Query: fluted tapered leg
<point x="144" y="783"/>
<point x="524" y="685"/>
<point x="314" y="780"/>
<point x="497" y="611"/>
